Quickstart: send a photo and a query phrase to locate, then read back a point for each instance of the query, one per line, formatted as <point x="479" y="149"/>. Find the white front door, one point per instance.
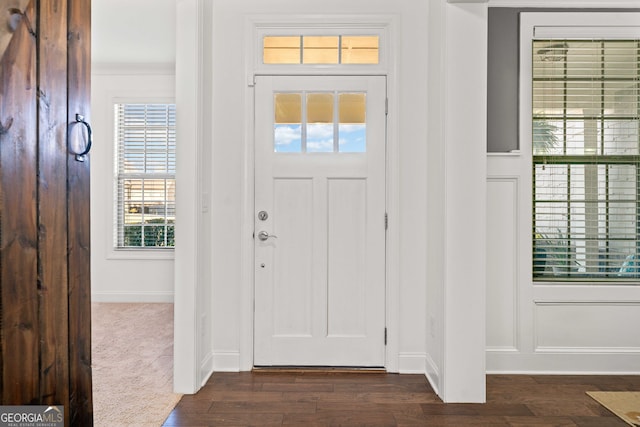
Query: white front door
<point x="320" y="221"/>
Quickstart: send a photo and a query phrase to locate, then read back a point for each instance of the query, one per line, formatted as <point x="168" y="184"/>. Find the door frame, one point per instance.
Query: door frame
<point x="386" y="27"/>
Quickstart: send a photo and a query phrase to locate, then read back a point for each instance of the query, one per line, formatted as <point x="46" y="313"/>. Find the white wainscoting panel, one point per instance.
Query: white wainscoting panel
<point x="587" y="327"/>
<point x="502" y="263"/>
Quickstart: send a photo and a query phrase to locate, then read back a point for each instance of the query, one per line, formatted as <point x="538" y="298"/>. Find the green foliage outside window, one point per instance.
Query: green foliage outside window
<point x="154" y="235"/>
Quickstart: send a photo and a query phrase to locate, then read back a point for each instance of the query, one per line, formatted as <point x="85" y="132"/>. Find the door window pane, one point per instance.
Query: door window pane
<point x="281" y="50"/>
<point x="320" y="136"/>
<point x="359" y="49"/>
<point x="287" y="127"/>
<point x="320" y="50"/>
<point x="352" y="127"/>
<point x="349" y="49"/>
<point x="326" y="122"/>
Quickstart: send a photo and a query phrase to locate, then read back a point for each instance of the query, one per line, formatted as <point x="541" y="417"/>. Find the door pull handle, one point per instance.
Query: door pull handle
<point x="80" y="157"/>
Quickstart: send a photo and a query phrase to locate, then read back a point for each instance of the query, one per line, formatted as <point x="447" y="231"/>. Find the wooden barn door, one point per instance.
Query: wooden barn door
<point x="45" y="321"/>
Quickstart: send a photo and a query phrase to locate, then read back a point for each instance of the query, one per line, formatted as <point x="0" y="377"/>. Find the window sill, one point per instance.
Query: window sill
<point x="512" y="153"/>
<point x="141" y="254"/>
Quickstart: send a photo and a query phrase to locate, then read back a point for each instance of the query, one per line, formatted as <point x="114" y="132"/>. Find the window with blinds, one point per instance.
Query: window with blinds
<point x="586" y="158"/>
<point x="145" y="175"/>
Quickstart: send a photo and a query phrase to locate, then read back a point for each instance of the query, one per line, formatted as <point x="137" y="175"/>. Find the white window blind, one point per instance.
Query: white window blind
<point x="586" y="159"/>
<point x="145" y="175"/>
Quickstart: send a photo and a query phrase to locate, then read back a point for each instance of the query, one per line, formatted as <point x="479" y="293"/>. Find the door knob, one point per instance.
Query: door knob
<point x="263" y="235"/>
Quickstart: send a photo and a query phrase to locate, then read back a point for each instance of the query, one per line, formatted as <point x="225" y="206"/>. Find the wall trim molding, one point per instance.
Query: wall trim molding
<point x="502" y="350"/>
<point x="132" y="297"/>
<point x="561" y="363"/>
<point x="206" y="368"/>
<point x="115" y="68"/>
<point x="578" y="4"/>
<point x="510" y="283"/>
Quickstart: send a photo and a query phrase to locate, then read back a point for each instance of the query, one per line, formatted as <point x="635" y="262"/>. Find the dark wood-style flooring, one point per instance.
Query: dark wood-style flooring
<point x="378" y="399"/>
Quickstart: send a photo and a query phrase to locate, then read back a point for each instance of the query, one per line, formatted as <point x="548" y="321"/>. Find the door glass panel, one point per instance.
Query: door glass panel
<point x="281" y="50"/>
<point x="287" y="127"/>
<point x="327" y="122"/>
<point x="360" y="50"/>
<point x="320" y="123"/>
<point x="320" y="50"/>
<point x="352" y="127"/>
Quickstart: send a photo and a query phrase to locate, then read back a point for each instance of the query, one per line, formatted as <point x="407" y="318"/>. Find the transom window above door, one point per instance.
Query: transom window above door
<point x="320" y="122"/>
<point x="333" y="49"/>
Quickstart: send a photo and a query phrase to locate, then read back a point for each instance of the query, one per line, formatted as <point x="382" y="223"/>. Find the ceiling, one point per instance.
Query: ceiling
<point x="133" y="32"/>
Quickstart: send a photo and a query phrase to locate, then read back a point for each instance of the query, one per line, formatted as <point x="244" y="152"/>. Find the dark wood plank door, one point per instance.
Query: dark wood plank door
<point x="45" y="320"/>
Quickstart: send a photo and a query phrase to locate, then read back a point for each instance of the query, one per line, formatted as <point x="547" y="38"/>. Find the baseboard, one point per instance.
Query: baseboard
<point x="206" y="369"/>
<point x="226" y="361"/>
<point x="433" y="374"/>
<point x="132" y="297"/>
<point x="118" y="69"/>
<point x="605" y="363"/>
<point x="411" y="363"/>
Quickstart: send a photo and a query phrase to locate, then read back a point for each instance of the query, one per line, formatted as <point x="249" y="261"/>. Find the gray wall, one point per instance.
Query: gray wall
<point x="503" y="51"/>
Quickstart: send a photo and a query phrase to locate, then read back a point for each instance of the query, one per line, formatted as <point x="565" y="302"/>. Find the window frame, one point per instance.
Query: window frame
<point x="574" y="25"/>
<point x="130" y="253"/>
<point x="266" y="27"/>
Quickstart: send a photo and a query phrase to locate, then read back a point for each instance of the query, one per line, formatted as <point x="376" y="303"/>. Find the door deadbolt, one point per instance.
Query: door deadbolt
<point x="263" y="215"/>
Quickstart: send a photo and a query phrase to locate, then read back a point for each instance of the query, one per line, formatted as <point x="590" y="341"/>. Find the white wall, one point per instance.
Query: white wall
<point x="436" y="214"/>
<point x="456" y="199"/>
<point x="465" y="82"/>
<point x="133" y="32"/>
<point x="193" y="311"/>
<point x="132" y="59"/>
<point x="122" y="276"/>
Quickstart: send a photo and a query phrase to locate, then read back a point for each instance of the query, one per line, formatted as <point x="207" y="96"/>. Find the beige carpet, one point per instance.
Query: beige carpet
<point x="132" y="355"/>
<point x="625" y="404"/>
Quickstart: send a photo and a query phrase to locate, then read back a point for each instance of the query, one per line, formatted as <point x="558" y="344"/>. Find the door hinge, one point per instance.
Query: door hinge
<point x="385" y="336"/>
<point x="386" y="221"/>
<point x="386" y="106"/>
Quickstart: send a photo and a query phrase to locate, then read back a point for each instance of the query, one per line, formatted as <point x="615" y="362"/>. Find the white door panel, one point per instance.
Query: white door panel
<point x="320" y="275"/>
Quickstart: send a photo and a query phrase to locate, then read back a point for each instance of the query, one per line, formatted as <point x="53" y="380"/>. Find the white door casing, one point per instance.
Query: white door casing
<point x="320" y="275"/>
